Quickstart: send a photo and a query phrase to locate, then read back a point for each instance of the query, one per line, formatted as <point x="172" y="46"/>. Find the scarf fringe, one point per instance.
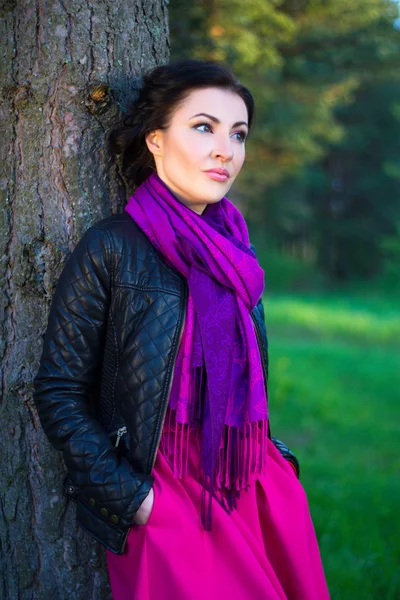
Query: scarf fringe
<point x="241" y="457"/>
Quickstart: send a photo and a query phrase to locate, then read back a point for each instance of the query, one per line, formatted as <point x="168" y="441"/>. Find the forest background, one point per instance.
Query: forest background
<point x="320" y="192"/>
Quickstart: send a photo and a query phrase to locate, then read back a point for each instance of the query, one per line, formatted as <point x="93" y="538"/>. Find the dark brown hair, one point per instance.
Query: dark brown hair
<point x="163" y="88"/>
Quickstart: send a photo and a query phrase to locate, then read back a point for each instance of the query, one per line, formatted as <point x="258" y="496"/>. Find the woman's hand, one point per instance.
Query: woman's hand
<point x="145" y="509"/>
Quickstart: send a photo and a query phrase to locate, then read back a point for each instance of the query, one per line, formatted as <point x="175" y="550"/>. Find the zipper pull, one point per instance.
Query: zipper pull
<point x="120" y="433"/>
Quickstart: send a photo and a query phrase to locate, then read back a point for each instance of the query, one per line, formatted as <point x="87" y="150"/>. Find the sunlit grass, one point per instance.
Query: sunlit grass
<point x="337" y="316"/>
<point x="334" y="394"/>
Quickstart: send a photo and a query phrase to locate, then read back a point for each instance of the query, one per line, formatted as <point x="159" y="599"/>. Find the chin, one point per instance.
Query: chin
<point x="216" y="192"/>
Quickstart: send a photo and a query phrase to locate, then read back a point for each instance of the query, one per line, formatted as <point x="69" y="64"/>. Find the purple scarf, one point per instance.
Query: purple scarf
<point x="218" y="383"/>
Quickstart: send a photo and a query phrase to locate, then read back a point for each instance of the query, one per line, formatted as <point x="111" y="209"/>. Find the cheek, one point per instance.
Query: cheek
<point x="240" y="159"/>
<point x="198" y="148"/>
<point x="186" y="150"/>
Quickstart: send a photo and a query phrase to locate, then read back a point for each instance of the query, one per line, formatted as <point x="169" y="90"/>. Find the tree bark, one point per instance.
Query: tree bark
<point x="67" y="69"/>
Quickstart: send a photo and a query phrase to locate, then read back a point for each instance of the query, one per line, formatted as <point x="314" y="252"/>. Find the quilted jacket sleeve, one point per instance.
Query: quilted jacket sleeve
<point x="70" y="365"/>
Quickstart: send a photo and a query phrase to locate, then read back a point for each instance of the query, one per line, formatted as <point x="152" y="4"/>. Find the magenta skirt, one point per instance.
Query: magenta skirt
<point x="266" y="548"/>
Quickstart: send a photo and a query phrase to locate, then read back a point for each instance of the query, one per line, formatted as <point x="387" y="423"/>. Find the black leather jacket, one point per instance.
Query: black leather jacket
<point x="106" y="370"/>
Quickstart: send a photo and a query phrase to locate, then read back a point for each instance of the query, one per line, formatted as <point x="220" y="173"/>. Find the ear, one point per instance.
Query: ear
<point x="154" y="142"/>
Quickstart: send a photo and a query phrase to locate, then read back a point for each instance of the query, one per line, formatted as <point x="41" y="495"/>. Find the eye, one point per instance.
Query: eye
<point x="206" y="125"/>
<point x="241" y="136"/>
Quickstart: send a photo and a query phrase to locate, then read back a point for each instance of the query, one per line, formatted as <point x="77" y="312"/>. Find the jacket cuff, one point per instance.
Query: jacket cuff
<point x="287" y="455"/>
<point x="103" y="510"/>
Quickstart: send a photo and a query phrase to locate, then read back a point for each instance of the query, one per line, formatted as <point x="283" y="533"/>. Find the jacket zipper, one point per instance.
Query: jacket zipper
<point x="120" y="432"/>
<point x="169" y="388"/>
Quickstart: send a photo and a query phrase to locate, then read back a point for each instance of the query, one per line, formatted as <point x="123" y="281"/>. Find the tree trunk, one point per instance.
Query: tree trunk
<point x="67" y="67"/>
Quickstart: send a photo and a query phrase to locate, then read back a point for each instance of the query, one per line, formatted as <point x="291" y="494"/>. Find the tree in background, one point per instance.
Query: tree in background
<point x="66" y="69"/>
<point x="323" y="157"/>
<point x="353" y="193"/>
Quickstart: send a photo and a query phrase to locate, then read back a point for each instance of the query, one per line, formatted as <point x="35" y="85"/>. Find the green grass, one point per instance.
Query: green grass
<point x="338" y="317"/>
<point x="334" y="398"/>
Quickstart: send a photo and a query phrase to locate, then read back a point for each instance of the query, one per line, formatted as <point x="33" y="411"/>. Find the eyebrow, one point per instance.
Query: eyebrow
<point x="215" y="120"/>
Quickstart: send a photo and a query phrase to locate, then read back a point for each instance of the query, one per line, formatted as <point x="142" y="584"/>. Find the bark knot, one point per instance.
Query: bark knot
<point x="98" y="98"/>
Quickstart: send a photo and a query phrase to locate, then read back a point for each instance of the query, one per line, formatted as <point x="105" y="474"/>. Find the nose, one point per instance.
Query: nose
<point x="223" y="148"/>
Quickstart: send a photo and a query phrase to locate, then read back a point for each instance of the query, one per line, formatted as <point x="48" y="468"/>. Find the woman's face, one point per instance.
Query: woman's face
<point x="207" y="131"/>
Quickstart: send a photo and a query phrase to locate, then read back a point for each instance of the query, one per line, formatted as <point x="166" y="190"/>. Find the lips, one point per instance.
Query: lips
<point x="218" y="174"/>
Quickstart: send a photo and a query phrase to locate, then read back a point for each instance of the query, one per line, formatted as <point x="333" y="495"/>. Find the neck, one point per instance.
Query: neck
<point x="196" y="208"/>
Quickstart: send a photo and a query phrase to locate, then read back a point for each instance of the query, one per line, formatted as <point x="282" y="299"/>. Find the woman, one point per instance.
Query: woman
<point x="153" y="374"/>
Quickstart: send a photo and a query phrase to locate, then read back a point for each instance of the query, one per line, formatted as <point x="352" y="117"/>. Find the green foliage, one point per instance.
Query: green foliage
<point x="333" y="396"/>
<point x="248" y="37"/>
<point x="284" y="272"/>
<point x="390" y="278"/>
<point x="322" y="163"/>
